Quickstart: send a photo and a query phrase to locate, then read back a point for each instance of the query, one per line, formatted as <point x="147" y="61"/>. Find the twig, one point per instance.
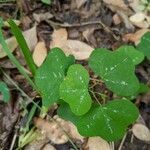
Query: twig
<point x="13" y="142"/>
<point x="122" y="142"/>
<point x="83" y="24"/>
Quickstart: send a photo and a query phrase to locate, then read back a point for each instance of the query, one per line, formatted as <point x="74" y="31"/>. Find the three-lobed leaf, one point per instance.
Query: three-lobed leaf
<point x="136" y="56"/>
<point x="5" y="91"/>
<point x="109" y="121"/>
<point x="116" y="69"/>
<point x="74" y="89"/>
<point x="50" y="74"/>
<point x="144" y="45"/>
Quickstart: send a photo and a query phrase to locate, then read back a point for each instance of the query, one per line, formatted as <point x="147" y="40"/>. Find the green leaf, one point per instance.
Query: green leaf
<point x="5" y="92"/>
<point x="143" y="88"/>
<point x="144" y="45"/>
<point x="74" y="89"/>
<point x="23" y="45"/>
<point x="116" y="69"/>
<point x="47" y="1"/>
<point x="50" y="74"/>
<point x="136" y="56"/>
<point x="12" y="58"/>
<point x="109" y="121"/>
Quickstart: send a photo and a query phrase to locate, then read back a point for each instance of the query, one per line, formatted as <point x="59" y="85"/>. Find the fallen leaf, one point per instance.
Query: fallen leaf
<point x="52" y="130"/>
<point x="80" y="3"/>
<point x="95" y="143"/>
<point x="134" y="4"/>
<point x="42" y="16"/>
<point x="39" y="53"/>
<point x="12" y="44"/>
<point x="138" y="17"/>
<point x="135" y="37"/>
<point x="117" y="3"/>
<point x="139" y="20"/>
<point x="49" y="147"/>
<point x="72" y="129"/>
<point x="141" y="132"/>
<point x="30" y="37"/>
<point x="79" y="49"/>
<point x="116" y="19"/>
<point x="59" y="37"/>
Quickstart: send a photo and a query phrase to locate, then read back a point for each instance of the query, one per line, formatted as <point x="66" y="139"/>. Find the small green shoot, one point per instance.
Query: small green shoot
<point x="23" y="45"/>
<point x="48" y="2"/>
<point x="5" y="91"/>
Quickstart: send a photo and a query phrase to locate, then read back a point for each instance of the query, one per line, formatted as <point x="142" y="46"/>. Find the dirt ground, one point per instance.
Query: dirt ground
<point x="94" y="22"/>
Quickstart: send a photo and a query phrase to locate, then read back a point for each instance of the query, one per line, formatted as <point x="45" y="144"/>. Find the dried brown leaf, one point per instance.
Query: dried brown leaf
<point x="52" y="131"/>
<point x="117" y="3"/>
<point x="30" y="37"/>
<point x="95" y="143"/>
<point x="77" y="48"/>
<point x="141" y="132"/>
<point x="12" y="44"/>
<point x="39" y="53"/>
<point x="49" y="147"/>
<point x="135" y="37"/>
<point x="80" y="3"/>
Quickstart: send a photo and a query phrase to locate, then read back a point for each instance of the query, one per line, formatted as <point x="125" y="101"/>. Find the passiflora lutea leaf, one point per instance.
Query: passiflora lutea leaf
<point x="109" y="121"/>
<point x="50" y="74"/>
<point x="74" y="89"/>
<point x="116" y="69"/>
<point x="144" y="45"/>
<point x="135" y="55"/>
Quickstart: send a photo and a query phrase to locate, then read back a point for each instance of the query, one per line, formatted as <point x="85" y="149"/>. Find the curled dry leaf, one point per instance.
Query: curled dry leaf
<point x="95" y="143"/>
<point x="141" y="132"/>
<point x="39" y="53"/>
<point x="30" y="37"/>
<point x="70" y="128"/>
<point x="77" y="48"/>
<point x="135" y="37"/>
<point x="52" y="131"/>
<point x="49" y="147"/>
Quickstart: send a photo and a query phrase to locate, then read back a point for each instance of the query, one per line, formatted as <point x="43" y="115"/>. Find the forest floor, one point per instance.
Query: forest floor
<point x="93" y="24"/>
